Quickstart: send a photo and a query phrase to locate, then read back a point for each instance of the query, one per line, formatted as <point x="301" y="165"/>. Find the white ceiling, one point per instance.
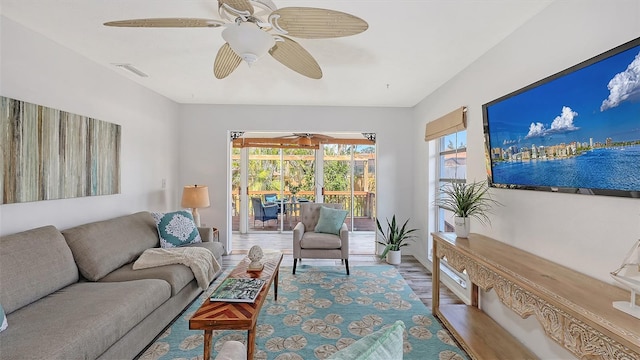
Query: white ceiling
<point x="410" y="49"/>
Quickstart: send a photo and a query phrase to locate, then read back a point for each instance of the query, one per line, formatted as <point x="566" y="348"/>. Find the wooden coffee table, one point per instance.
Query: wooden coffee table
<point x="217" y="315"/>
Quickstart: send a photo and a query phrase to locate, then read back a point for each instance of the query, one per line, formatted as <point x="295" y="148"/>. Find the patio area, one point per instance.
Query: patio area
<point x="363" y="211"/>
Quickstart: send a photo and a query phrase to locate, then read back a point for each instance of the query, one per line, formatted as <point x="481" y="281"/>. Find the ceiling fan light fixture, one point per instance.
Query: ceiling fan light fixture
<point x="248" y="41"/>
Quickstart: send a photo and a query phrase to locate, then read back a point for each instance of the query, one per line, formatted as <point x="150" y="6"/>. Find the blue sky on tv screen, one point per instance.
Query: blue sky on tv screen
<point x="596" y="102"/>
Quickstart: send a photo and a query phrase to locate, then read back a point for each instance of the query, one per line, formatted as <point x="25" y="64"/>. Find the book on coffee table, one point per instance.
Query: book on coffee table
<point x="238" y="290"/>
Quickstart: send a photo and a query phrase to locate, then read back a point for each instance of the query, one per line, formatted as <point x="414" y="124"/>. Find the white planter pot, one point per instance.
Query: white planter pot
<point x="462" y="226"/>
<point x="393" y="257"/>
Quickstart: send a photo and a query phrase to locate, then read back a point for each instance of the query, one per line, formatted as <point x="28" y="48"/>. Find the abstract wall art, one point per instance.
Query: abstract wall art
<point x="53" y="154"/>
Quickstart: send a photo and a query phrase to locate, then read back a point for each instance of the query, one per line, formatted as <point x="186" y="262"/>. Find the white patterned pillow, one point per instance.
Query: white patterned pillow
<point x="176" y="229"/>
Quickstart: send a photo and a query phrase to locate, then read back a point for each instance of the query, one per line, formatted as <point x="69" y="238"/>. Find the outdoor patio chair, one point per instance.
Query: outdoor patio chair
<point x="263" y="212"/>
<point x="270" y="198"/>
<point x="307" y="243"/>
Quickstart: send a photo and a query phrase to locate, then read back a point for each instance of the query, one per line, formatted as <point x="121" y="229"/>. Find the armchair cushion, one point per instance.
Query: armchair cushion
<point x="312" y="240"/>
<point x="330" y="220"/>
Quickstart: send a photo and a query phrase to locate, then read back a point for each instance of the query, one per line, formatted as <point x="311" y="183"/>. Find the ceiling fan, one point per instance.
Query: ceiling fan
<point x="255" y="27"/>
<point x="308" y="139"/>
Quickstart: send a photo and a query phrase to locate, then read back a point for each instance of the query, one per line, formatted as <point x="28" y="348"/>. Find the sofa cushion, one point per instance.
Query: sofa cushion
<point x="177" y="275"/>
<point x="384" y="344"/>
<point x="215" y="247"/>
<point x="330" y="220"/>
<point x="80" y="321"/>
<point x="33" y="264"/>
<point x="103" y="246"/>
<point x="176" y="228"/>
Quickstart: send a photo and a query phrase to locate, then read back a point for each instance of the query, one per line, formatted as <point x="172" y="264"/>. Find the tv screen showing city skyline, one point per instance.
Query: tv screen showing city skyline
<point x="575" y="131"/>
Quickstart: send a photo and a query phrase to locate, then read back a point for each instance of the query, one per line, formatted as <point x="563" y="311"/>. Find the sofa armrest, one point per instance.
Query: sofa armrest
<point x="206" y="233"/>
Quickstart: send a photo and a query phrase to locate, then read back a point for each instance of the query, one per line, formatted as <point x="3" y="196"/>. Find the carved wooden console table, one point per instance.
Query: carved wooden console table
<point x="573" y="309"/>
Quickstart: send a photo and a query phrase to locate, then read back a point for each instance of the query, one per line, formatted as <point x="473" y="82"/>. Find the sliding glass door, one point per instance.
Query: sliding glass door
<point x="349" y="179"/>
<point x="276" y="180"/>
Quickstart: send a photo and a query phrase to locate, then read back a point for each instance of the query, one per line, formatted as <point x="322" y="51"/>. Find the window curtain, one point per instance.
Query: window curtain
<point x="448" y="124"/>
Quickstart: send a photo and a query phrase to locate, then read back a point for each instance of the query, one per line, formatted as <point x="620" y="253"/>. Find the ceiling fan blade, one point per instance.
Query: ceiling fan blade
<point x="286" y="136"/>
<point x="226" y="61"/>
<point x="296" y="58"/>
<point x="314" y="23"/>
<point x="240" y="7"/>
<point x="166" y="23"/>
<point x="322" y="136"/>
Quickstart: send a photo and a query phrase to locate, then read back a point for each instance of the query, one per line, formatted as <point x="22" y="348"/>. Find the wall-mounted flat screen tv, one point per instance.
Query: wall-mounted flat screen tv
<point x="577" y="131"/>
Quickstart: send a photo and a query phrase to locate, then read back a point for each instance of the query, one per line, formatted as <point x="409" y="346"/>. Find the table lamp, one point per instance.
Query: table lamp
<point x="194" y="197"/>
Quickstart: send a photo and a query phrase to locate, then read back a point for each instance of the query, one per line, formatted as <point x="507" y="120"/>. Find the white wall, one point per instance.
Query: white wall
<point x="590" y="234"/>
<point x="204" y="133"/>
<point x="37" y="70"/>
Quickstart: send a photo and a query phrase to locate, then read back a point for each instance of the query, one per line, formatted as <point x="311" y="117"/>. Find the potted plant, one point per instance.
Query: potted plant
<point x="466" y="200"/>
<point x="393" y="239"/>
<point x="294" y="189"/>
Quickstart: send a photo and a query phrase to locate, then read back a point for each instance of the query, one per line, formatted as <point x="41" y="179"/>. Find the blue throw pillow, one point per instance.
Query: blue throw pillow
<point x="176" y="229"/>
<point x="384" y="344"/>
<point x="3" y="317"/>
<point x="330" y="220"/>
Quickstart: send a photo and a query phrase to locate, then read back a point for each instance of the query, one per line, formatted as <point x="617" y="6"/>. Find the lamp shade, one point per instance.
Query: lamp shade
<point x="195" y="196"/>
<point x="248" y="41"/>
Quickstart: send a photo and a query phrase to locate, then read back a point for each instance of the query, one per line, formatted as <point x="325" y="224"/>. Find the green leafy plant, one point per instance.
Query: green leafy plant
<point x="467" y="200"/>
<point x="395" y="237"/>
<point x="294" y="189"/>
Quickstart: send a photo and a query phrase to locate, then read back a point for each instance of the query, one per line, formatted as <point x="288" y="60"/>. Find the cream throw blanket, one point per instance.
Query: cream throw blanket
<point x="200" y="260"/>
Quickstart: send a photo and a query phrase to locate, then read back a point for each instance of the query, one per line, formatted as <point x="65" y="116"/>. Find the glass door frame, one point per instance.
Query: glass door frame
<point x="319" y="186"/>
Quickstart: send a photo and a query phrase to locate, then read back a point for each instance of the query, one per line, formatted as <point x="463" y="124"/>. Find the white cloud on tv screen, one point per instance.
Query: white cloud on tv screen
<point x="624" y="86"/>
<point x="562" y="123"/>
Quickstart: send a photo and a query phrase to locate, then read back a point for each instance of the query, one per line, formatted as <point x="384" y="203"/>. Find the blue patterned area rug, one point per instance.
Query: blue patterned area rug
<point x="319" y="311"/>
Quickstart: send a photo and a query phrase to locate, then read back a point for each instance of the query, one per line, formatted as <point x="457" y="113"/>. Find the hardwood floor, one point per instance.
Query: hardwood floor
<point x="361" y="248"/>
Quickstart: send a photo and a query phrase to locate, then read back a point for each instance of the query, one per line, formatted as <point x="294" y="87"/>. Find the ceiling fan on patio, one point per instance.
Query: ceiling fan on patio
<point x="308" y="139"/>
<point x="255" y="27"/>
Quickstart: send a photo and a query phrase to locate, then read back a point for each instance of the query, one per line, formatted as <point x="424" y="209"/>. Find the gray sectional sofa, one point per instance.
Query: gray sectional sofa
<point x="72" y="294"/>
